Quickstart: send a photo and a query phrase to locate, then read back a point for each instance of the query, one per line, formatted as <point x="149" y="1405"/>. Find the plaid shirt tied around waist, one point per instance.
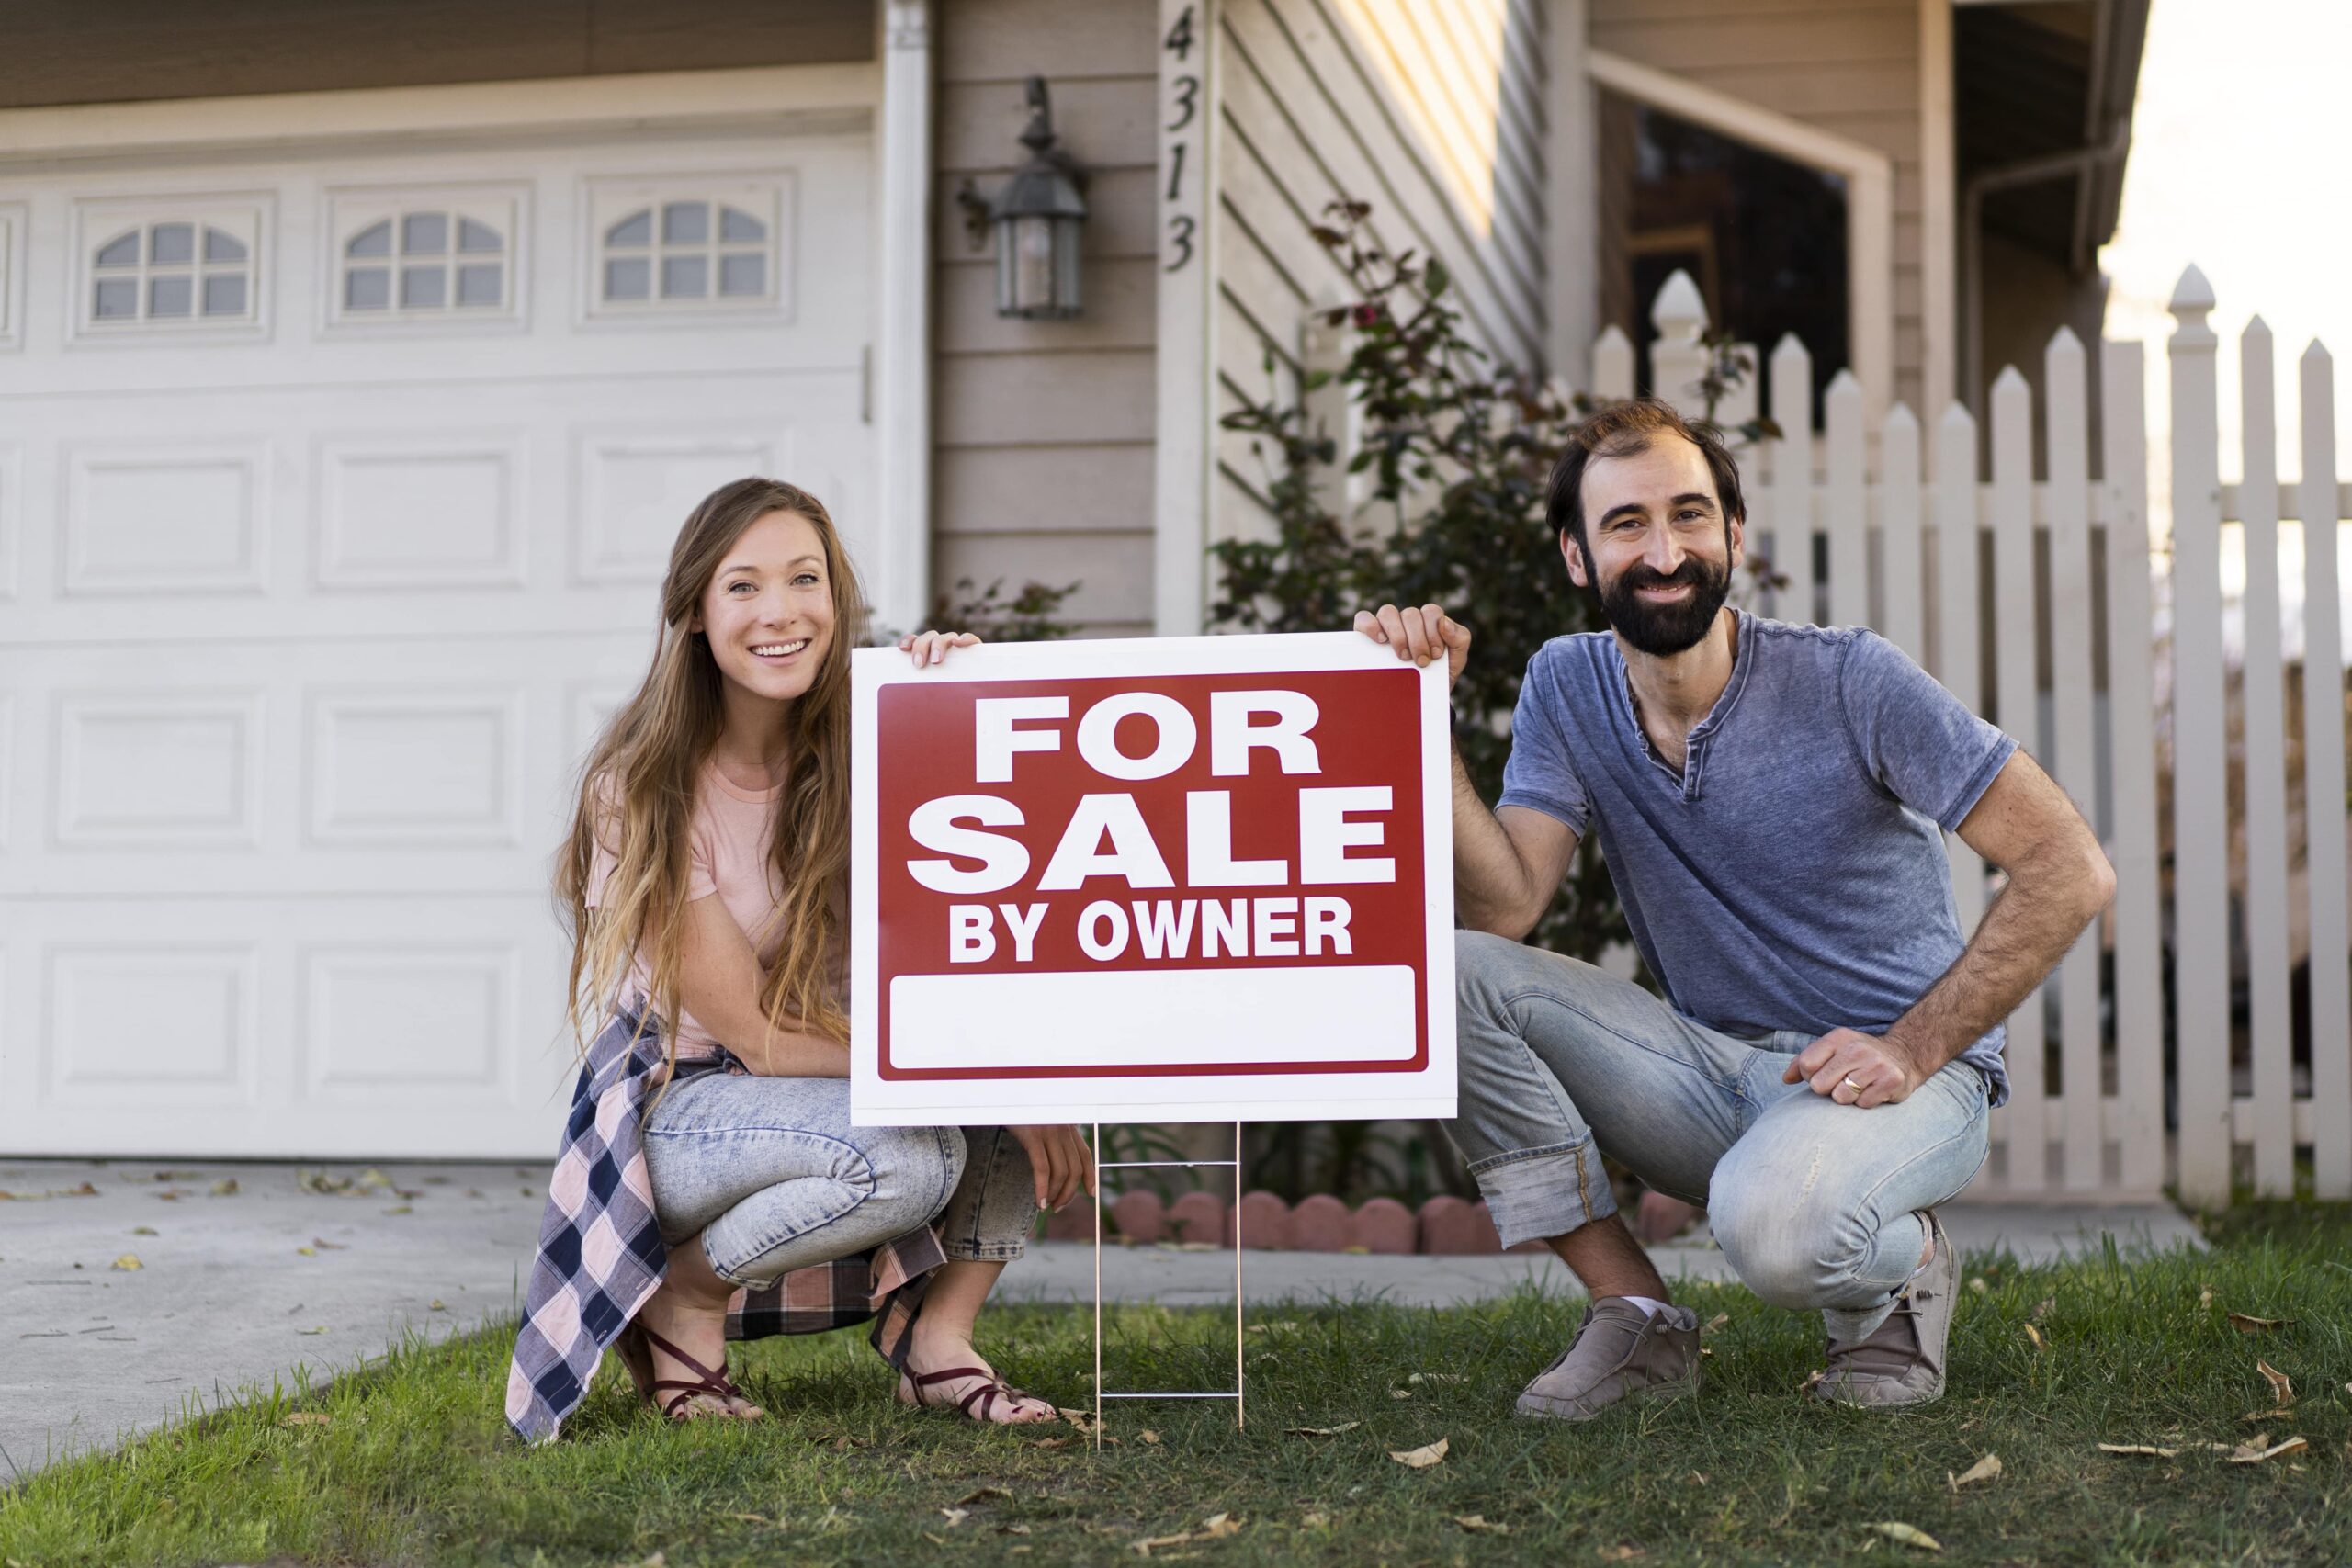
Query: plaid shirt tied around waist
<point x="601" y="1254"/>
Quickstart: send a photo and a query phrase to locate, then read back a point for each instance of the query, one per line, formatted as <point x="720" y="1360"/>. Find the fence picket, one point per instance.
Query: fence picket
<point x="2200" y="798"/>
<point x="1677" y="357"/>
<point x="1789" y="545"/>
<point x="1899" y="534"/>
<point x="2331" y="964"/>
<point x="1612" y="365"/>
<point x="2136" y="916"/>
<point x="2073" y="740"/>
<point x="2017" y="705"/>
<point x="2266" y="772"/>
<point x="1956" y="499"/>
<point x="1848" y="512"/>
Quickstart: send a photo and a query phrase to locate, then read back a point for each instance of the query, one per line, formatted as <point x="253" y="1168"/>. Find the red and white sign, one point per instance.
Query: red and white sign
<point x="1185" y="879"/>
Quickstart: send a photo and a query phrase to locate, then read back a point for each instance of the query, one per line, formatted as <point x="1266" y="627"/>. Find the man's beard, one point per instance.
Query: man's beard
<point x="1661" y="630"/>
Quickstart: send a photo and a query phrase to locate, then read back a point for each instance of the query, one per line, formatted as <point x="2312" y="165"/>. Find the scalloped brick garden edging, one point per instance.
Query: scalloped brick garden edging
<point x="1443" y="1226"/>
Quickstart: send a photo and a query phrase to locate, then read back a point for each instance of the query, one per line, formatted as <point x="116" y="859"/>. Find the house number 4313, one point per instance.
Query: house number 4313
<point x="1180" y="91"/>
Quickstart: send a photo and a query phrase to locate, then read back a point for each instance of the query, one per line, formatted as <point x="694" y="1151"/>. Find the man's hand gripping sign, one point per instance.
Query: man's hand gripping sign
<point x="1187" y="879"/>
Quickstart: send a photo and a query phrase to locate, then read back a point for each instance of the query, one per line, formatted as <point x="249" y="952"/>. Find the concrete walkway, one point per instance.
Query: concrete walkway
<point x="290" y="1281"/>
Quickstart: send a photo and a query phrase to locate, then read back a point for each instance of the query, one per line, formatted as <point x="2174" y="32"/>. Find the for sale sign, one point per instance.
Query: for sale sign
<point x="1183" y="879"/>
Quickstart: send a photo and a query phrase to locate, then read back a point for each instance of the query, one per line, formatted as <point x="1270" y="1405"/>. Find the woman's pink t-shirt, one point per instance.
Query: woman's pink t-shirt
<point x="729" y="840"/>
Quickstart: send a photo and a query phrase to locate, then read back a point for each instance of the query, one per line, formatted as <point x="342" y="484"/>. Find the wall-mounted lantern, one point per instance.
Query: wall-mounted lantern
<point x="1039" y="220"/>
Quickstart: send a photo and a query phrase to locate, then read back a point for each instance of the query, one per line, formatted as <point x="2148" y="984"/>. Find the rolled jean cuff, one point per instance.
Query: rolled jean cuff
<point x="982" y="1251"/>
<point x="1546" y="1192"/>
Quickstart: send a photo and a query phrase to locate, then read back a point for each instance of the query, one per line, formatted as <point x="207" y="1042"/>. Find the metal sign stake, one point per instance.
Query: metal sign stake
<point x="1235" y="1394"/>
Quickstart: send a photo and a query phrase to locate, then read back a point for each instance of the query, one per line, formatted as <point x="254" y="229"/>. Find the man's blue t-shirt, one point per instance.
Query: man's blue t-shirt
<point x="1791" y="875"/>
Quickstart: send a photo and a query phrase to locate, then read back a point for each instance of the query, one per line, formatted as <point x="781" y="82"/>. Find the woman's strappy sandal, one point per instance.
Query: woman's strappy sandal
<point x="992" y="1388"/>
<point x="893" y="1340"/>
<point x="636" y="1356"/>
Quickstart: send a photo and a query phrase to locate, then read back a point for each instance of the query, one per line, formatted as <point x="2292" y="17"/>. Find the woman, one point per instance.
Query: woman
<point x="710" y="1153"/>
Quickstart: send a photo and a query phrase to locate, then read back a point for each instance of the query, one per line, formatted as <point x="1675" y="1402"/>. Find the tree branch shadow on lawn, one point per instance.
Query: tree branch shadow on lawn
<point x="409" y="1462"/>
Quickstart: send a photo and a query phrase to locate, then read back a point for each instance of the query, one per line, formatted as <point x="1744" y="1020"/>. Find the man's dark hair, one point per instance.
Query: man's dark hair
<point x="1621" y="430"/>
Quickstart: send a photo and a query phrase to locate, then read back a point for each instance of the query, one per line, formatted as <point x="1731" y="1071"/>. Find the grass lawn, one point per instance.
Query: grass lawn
<point x="410" y="1463"/>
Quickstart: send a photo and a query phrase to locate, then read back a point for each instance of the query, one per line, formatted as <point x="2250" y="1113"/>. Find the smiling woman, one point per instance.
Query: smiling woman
<point x="710" y="1152"/>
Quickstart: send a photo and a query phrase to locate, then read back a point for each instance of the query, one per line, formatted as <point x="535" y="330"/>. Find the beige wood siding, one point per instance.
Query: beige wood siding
<point x="1043" y="430"/>
<point x="55" y="52"/>
<point x="1848" y="66"/>
<point x="1431" y="111"/>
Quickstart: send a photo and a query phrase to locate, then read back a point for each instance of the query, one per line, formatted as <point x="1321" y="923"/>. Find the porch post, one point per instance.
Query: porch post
<point x="900" y="578"/>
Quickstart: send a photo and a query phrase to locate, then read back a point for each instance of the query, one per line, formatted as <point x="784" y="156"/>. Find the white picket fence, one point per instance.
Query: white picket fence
<point x="1885" y="493"/>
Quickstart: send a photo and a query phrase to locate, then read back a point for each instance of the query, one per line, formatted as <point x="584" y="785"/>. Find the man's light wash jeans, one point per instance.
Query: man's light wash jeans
<point x="776" y="1178"/>
<point x="1814" y="1204"/>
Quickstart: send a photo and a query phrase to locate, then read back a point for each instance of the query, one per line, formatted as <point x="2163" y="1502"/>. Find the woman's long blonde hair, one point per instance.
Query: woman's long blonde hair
<point x="637" y="791"/>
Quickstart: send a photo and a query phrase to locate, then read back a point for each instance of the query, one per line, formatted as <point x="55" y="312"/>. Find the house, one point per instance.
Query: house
<point x="358" y="361"/>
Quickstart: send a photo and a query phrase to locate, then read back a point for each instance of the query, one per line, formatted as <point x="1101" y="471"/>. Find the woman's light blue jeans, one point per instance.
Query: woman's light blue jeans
<point x="1814" y="1204"/>
<point x="776" y="1178"/>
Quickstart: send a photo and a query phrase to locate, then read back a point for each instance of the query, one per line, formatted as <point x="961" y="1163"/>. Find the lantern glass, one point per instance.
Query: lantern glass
<point x="1037" y="265"/>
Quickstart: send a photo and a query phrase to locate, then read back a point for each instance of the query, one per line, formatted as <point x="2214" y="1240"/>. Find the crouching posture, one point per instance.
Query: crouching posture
<point x="710" y="1183"/>
<point x="1768" y="797"/>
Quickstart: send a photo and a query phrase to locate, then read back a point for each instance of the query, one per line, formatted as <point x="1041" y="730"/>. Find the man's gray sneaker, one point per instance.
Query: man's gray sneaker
<point x="1619" y="1352"/>
<point x="1900" y="1362"/>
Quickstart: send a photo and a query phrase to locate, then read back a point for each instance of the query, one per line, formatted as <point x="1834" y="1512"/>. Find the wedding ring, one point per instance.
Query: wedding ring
<point x="1851" y="1084"/>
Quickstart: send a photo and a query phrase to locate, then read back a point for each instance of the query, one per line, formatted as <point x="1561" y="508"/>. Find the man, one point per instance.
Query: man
<point x="1768" y="797"/>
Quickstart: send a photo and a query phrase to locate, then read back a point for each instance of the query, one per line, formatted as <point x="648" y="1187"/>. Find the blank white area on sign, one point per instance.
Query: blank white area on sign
<point x="419" y="516"/>
<point x="634" y="492"/>
<point x="153" y="1022"/>
<point x="419" y="1018"/>
<point x="1148" y="1018"/>
<point x="415" y="769"/>
<point x="170" y="769"/>
<point x="188" y="521"/>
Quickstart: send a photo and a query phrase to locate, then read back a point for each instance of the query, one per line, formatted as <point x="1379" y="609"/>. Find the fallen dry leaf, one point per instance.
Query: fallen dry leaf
<point x="1400" y="1393"/>
<point x="128" y="1263"/>
<point x="1986" y="1468"/>
<point x="1976" y="1283"/>
<point x="1218" y="1526"/>
<point x="2245" y="1324"/>
<point x="955" y="1515"/>
<point x="981" y="1495"/>
<point x="2035" y="1335"/>
<point x="320" y="1329"/>
<point x="2205" y="1298"/>
<point x="1051" y="1442"/>
<point x="1620" y="1553"/>
<point x="308" y="1418"/>
<point x="143" y="1230"/>
<point x="2042" y="1309"/>
<point x="2282" y="1391"/>
<point x="1314" y="1521"/>
<point x="437" y="1305"/>
<point x="2280" y="1413"/>
<point x="1478" y="1522"/>
<point x="2147" y="1449"/>
<point x="2255" y="1452"/>
<point x="1909" y="1535"/>
<point x="751" y="1518"/>
<point x="1323" y="1431"/>
<point x="1437" y="1377"/>
<point x="1420" y="1458"/>
<point x="1213" y="1528"/>
<point x="1714" y="1323"/>
<point x="225" y="1188"/>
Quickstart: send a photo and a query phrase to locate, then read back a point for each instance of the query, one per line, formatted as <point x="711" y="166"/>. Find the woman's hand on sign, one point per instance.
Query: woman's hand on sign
<point x="1060" y="1160"/>
<point x="1420" y="633"/>
<point x="930" y="647"/>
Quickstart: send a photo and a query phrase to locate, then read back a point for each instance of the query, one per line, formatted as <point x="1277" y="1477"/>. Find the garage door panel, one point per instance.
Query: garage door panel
<point x="327" y="1027"/>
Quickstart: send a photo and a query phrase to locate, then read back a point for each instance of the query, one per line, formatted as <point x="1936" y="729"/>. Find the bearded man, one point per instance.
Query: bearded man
<point x="1769" y="800"/>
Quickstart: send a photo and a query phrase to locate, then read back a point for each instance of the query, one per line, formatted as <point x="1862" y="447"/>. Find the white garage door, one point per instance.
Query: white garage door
<point x="333" y="497"/>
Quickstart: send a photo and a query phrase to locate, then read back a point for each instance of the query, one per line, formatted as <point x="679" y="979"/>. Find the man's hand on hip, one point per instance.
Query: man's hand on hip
<point x="1420" y="633"/>
<point x="1854" y="1068"/>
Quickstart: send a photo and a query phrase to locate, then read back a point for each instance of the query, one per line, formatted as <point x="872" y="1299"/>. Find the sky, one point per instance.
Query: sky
<point x="2237" y="150"/>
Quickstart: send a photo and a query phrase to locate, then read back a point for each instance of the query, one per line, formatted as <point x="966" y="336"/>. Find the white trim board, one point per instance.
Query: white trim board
<point x="1869" y="197"/>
